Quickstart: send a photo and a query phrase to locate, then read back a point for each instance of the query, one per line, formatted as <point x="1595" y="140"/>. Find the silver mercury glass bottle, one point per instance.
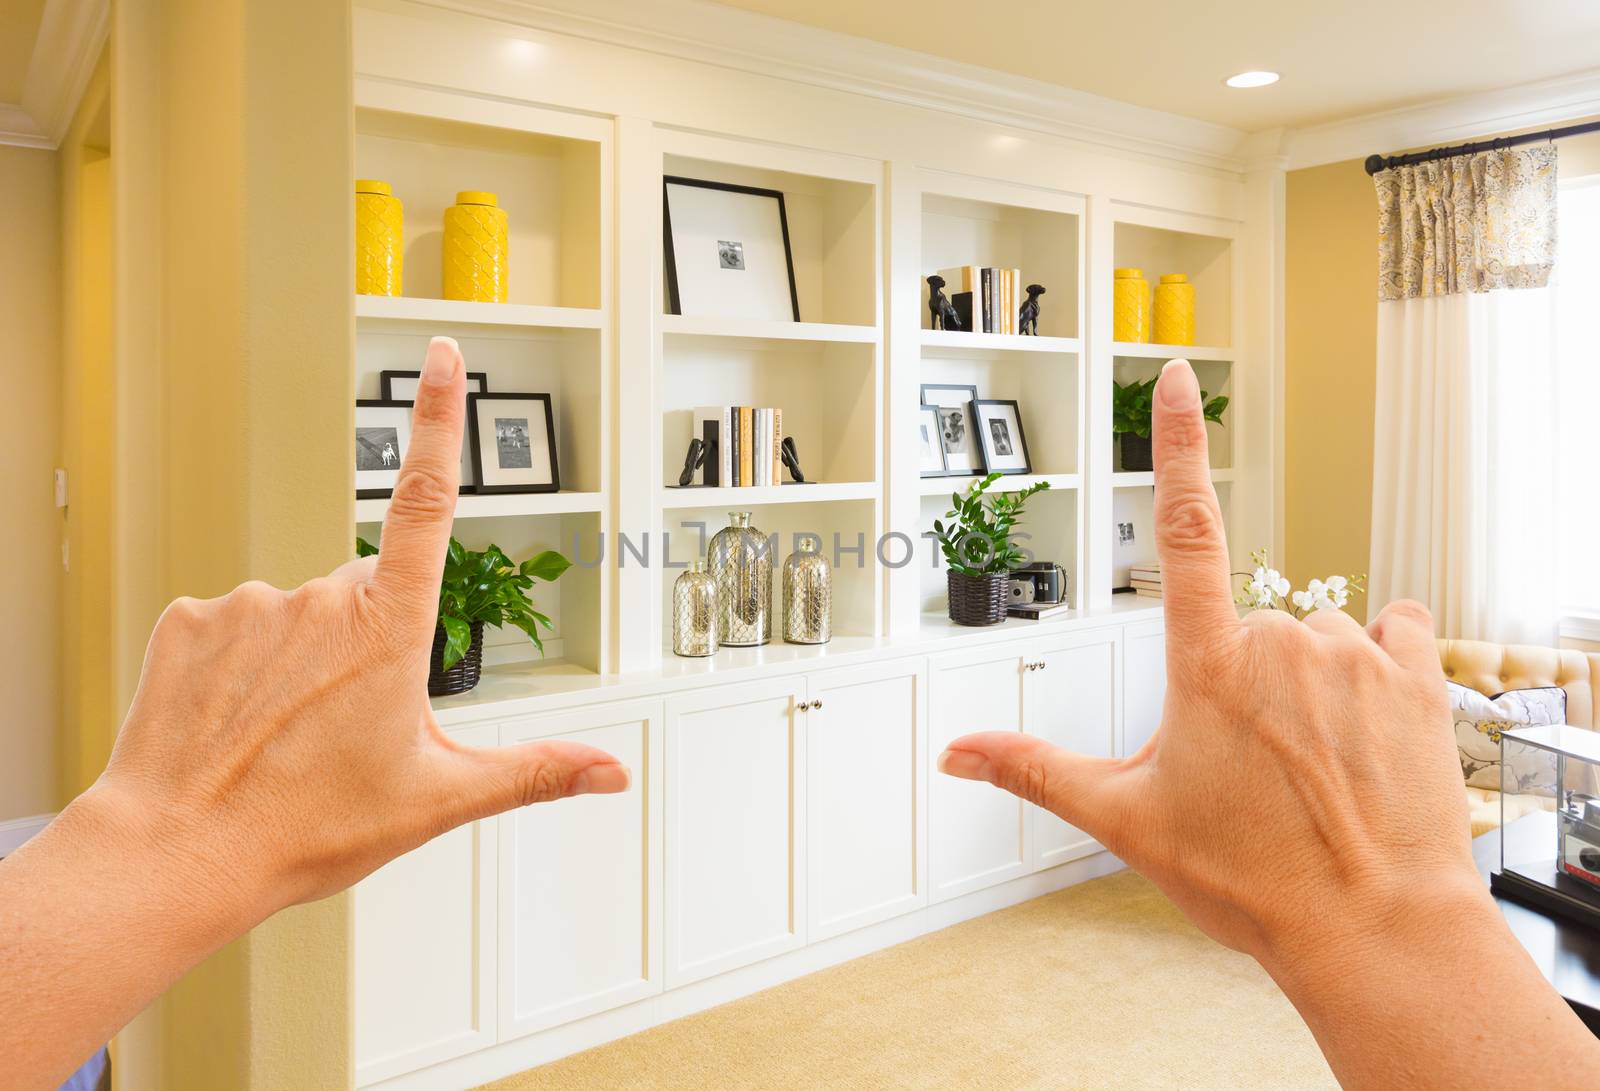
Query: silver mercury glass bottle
<point x="807" y="595"/>
<point x="694" y="612"/>
<point x="740" y="560"/>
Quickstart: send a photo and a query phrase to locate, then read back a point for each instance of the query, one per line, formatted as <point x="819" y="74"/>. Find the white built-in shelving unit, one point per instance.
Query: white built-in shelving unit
<point x="785" y="812"/>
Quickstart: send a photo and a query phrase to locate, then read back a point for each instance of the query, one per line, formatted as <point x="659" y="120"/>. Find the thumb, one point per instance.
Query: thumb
<point x="1086" y="792"/>
<point x="478" y="782"/>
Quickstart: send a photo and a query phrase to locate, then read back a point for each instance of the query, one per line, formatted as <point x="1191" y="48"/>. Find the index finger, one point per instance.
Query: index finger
<point x="416" y="531"/>
<point x="1196" y="585"/>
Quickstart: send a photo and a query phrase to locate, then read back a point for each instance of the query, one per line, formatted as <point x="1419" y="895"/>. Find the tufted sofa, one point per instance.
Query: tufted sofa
<point x="1494" y="668"/>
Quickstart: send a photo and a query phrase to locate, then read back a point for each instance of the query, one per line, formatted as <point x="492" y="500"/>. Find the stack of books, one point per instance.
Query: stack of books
<point x="743" y="445"/>
<point x="1146" y="580"/>
<point x="986" y="298"/>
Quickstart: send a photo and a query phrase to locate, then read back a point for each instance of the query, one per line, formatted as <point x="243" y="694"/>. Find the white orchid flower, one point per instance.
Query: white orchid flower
<point x="1278" y="582"/>
<point x="1302" y="600"/>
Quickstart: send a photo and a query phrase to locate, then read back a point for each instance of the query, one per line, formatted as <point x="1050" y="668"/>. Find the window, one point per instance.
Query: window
<point x="1577" y="376"/>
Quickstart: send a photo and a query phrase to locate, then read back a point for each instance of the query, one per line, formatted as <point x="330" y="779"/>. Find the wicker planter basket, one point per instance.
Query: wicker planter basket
<point x="1135" y="452"/>
<point x="978" y="600"/>
<point x="465" y="674"/>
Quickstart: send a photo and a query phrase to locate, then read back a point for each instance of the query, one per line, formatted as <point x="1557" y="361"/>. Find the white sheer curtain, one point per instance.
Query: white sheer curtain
<point x="1464" y="514"/>
<point x="1577" y="352"/>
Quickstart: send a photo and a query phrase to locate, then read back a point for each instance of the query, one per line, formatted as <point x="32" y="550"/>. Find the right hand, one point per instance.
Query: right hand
<point x="1304" y="778"/>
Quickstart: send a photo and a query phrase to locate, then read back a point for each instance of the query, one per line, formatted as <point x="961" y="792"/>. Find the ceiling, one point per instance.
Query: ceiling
<point x="19" y="26"/>
<point x="1338" y="60"/>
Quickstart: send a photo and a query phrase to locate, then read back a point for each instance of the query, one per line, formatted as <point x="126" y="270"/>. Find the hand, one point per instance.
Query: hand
<point x="1302" y="800"/>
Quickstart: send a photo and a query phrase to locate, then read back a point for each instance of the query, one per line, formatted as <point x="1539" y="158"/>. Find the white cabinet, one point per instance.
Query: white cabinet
<point x="1068" y="699"/>
<point x="977" y="834"/>
<point x="866" y="743"/>
<point x="1144" y="657"/>
<point x="424" y="951"/>
<point x="735" y="826"/>
<point x="578" y="930"/>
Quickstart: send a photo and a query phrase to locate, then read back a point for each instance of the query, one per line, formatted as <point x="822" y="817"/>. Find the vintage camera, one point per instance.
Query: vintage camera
<point x="1580" y="839"/>
<point x="1043" y="583"/>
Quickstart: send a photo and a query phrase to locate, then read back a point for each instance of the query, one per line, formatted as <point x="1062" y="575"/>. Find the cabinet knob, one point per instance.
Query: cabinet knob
<point x="817" y="703"/>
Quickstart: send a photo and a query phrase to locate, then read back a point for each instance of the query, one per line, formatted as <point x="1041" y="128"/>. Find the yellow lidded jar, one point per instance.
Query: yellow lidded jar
<point x="475" y="248"/>
<point x="1130" y="306"/>
<point x="1174" y="312"/>
<point x="380" y="238"/>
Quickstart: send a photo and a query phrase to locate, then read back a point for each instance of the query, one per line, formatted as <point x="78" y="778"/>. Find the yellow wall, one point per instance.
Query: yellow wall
<point x="1330" y="335"/>
<point x="233" y="180"/>
<point x="30" y="447"/>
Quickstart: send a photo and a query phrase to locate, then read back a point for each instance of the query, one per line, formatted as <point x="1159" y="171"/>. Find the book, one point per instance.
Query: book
<point x="986" y="292"/>
<point x="725" y="447"/>
<point x="747" y="426"/>
<point x="777" y="447"/>
<point x="1144" y="585"/>
<point x="1144" y="594"/>
<point x="1039" y="611"/>
<point x="1016" y="300"/>
<point x="1145" y="572"/>
<point x="758" y="439"/>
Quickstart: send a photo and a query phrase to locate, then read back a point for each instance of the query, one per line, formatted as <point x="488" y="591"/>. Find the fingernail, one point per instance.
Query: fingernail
<point x="966" y="764"/>
<point x="603" y="779"/>
<point x="443" y="356"/>
<point x="1178" y="388"/>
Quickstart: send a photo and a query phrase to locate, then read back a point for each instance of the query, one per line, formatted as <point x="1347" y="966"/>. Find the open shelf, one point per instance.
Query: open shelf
<point x="1163" y="353"/>
<point x="498" y="505"/>
<point x="1136" y="506"/>
<point x="1136" y="479"/>
<point x="813" y="493"/>
<point x="550" y="187"/>
<point x="962" y="343"/>
<point x="1207" y="260"/>
<point x="1216" y="378"/>
<point x="944" y="486"/>
<point x="455" y="312"/>
<point x="1049" y="531"/>
<point x="683" y="325"/>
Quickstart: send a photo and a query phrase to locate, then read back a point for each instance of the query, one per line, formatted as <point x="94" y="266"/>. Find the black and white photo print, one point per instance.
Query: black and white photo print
<point x="383" y="432"/>
<point x="730" y="254"/>
<point x="963" y="455"/>
<point x="513" y="443"/>
<point x="932" y="447"/>
<point x="1005" y="448"/>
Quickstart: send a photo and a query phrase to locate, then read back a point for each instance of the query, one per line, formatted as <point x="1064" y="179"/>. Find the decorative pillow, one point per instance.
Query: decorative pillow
<point x="1479" y="721"/>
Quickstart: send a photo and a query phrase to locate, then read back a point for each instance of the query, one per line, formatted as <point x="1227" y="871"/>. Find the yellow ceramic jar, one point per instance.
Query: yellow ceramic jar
<point x="475" y="248"/>
<point x="1174" y="319"/>
<point x="1130" y="307"/>
<point x="380" y="241"/>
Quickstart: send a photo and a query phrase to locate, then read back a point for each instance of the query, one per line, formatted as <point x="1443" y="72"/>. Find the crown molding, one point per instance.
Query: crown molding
<point x="710" y="33"/>
<point x="72" y="34"/>
<point x="1450" y="121"/>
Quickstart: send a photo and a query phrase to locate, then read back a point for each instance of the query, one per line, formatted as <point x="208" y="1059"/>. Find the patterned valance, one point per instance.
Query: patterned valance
<point x="1471" y="223"/>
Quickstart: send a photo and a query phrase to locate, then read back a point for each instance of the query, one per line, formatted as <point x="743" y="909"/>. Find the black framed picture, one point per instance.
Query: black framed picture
<point x="1005" y="448"/>
<point x="930" y="449"/>
<point x="382" y="437"/>
<point x="727" y="251"/>
<point x="513" y="443"/>
<point x="963" y="455"/>
<point x="401" y="386"/>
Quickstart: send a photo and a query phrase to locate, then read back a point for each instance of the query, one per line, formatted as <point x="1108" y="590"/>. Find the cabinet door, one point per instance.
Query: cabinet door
<point x="735" y="822"/>
<point x="1069" y="699"/>
<point x="578" y="933"/>
<point x="1144" y="682"/>
<point x="977" y="834"/>
<point x="865" y="741"/>
<point x="424" y="950"/>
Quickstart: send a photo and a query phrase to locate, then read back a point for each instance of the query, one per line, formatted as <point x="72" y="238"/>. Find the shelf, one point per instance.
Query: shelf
<point x="680" y="325"/>
<point x="958" y="342"/>
<point x="498" y="505"/>
<point x="1147" y="478"/>
<point x="454" y="312"/>
<point x="943" y="486"/>
<point x="1138" y="351"/>
<point x="743" y="497"/>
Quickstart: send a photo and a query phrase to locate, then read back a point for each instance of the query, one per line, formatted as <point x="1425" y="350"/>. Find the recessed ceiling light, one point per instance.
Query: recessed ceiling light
<point x="1252" y="79"/>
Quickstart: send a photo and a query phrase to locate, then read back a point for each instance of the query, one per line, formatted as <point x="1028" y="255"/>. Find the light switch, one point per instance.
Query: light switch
<point x="61" y="488"/>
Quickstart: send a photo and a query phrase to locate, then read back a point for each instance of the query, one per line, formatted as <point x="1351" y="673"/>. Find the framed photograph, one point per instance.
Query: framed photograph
<point x="383" y="434"/>
<point x="932" y="450"/>
<point x="401" y="386"/>
<point x="513" y="443"/>
<point x="728" y="251"/>
<point x="1005" y="449"/>
<point x="957" y="426"/>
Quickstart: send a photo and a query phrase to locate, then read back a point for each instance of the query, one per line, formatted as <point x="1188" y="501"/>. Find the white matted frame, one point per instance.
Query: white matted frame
<point x="727" y="251"/>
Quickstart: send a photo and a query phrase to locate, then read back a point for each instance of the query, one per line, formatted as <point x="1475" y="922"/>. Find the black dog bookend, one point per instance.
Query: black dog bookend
<point x="699" y="451"/>
<point x="943" y="312"/>
<point x="1028" y="313"/>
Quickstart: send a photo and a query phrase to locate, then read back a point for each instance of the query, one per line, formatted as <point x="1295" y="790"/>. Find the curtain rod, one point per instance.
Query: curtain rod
<point x="1375" y="163"/>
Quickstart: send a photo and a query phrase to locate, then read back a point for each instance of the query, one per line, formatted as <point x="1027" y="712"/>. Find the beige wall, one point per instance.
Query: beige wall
<point x="1330" y="340"/>
<point x="30" y="447"/>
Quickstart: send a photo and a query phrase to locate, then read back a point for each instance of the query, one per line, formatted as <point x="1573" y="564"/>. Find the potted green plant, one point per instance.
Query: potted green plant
<point x="978" y="551"/>
<point x="1131" y="407"/>
<point x="480" y="589"/>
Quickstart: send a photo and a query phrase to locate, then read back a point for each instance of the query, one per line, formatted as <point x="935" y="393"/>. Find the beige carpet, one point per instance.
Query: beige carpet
<point x="1103" y="985"/>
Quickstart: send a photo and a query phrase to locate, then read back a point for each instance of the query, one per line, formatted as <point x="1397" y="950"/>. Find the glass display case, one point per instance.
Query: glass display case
<point x="1550" y="820"/>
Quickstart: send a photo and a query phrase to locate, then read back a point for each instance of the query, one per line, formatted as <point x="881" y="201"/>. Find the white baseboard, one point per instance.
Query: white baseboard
<point x="14" y="831"/>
